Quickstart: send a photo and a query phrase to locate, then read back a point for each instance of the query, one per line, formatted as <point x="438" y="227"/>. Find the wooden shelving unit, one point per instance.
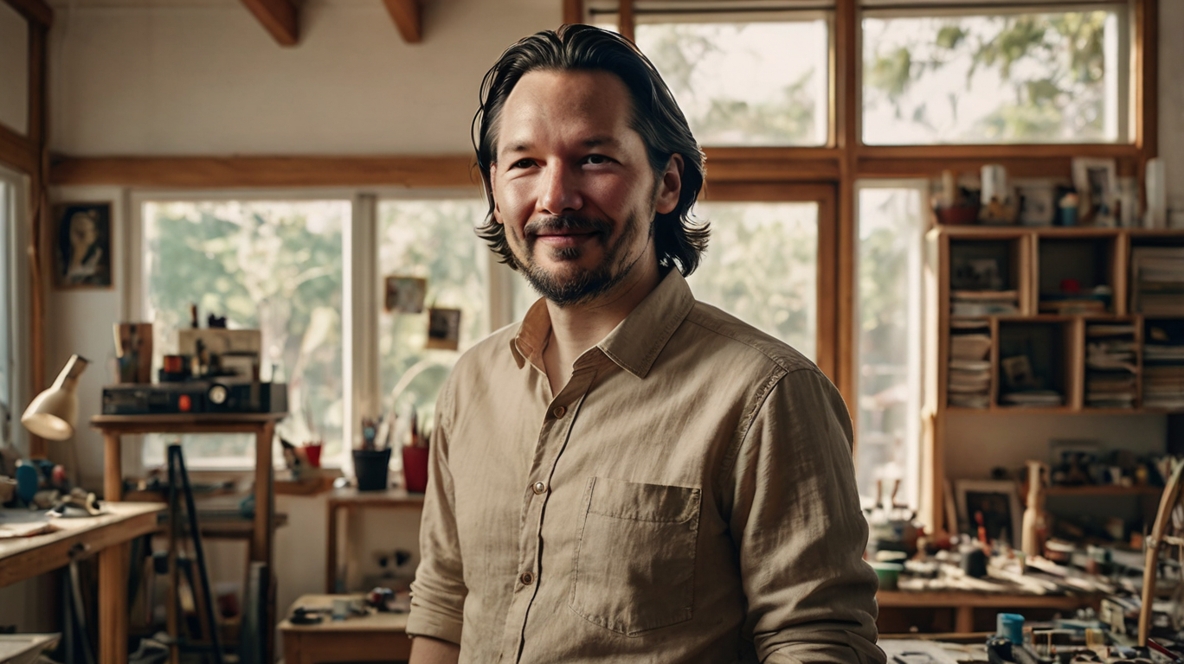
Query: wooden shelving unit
<point x="1036" y="263"/>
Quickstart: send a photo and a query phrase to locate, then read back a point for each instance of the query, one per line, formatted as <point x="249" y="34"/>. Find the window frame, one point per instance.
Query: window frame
<point x="16" y="302"/>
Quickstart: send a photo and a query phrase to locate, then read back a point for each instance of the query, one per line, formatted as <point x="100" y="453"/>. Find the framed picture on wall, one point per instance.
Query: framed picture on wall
<point x="994" y="503"/>
<point x="82" y="245"/>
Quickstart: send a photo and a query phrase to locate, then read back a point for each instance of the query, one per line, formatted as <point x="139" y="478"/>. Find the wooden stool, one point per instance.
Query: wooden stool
<point x="377" y="637"/>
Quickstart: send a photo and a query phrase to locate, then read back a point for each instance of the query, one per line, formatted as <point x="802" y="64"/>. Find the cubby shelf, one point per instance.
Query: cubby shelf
<point x="985" y="287"/>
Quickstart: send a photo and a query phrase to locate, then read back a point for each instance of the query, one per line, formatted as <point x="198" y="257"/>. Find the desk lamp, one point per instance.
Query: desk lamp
<point x="51" y="415"/>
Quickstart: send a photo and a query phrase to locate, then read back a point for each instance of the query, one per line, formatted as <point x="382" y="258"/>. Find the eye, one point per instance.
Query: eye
<point x="522" y="163"/>
<point x="597" y="159"/>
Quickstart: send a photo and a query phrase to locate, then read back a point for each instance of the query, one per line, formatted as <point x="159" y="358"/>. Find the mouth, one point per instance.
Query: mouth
<point x="565" y="232"/>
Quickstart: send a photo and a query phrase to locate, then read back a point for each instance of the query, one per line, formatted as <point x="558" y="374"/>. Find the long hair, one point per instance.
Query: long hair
<point x="679" y="241"/>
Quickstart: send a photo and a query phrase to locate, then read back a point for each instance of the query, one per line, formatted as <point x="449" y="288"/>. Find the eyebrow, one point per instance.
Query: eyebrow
<point x="593" y="142"/>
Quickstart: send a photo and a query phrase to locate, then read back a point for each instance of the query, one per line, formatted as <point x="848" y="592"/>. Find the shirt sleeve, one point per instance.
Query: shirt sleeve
<point x="800" y="531"/>
<point x="438" y="591"/>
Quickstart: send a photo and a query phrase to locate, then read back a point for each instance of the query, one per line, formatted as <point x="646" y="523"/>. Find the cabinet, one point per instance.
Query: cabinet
<point x="1051" y="320"/>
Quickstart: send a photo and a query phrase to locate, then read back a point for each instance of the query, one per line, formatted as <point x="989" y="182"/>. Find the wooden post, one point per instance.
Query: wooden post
<point x="113" y="604"/>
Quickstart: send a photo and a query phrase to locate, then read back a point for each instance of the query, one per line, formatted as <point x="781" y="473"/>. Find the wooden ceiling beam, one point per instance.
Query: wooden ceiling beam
<point x="408" y="19"/>
<point x="279" y="18"/>
<point x="33" y="10"/>
<point x="446" y="171"/>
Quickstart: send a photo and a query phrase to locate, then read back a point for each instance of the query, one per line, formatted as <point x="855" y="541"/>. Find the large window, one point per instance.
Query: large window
<point x="754" y="80"/>
<point x="275" y="266"/>
<point x="431" y="239"/>
<point x="1008" y="77"/>
<point x="888" y="328"/>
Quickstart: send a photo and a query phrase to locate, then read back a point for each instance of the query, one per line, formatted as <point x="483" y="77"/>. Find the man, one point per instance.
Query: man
<point x="629" y="475"/>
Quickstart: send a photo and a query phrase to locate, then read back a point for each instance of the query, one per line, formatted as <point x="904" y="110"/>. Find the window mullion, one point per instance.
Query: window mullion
<point x="360" y="318"/>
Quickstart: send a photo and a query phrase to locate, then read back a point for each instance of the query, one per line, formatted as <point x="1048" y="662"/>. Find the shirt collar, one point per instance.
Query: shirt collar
<point x="634" y="344"/>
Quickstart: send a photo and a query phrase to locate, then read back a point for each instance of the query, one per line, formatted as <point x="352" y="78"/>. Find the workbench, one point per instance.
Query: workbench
<point x="107" y="535"/>
<point x="377" y="637"/>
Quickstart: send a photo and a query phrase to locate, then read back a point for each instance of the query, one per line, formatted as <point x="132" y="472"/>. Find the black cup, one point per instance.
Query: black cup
<point x="370" y="468"/>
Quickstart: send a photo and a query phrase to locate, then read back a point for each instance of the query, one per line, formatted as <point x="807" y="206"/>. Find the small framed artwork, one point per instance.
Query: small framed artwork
<point x="404" y="294"/>
<point x="1037" y="205"/>
<point x="992" y="504"/>
<point x="1096" y="181"/>
<point x="443" y="328"/>
<point x="82" y="245"/>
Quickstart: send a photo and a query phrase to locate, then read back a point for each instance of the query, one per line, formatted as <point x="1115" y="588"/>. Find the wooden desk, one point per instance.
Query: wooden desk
<point x="964" y="603"/>
<point x="353" y="500"/>
<point x="108" y="535"/>
<point x="262" y="425"/>
<point x="378" y="637"/>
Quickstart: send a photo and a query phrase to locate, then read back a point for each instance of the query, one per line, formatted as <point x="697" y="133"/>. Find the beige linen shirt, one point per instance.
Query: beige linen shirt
<point x="689" y="496"/>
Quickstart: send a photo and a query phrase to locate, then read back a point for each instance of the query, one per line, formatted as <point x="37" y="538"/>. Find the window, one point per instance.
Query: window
<point x="759" y="79"/>
<point x="761" y="265"/>
<point x="888" y="327"/>
<point x="1014" y="76"/>
<point x="433" y="239"/>
<point x="272" y="265"/>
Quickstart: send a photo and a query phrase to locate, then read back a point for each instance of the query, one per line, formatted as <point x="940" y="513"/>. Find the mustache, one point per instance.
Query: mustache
<point x="567" y="223"/>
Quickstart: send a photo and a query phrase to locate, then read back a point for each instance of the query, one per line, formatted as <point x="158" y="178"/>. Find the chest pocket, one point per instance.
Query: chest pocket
<point x="634" y="567"/>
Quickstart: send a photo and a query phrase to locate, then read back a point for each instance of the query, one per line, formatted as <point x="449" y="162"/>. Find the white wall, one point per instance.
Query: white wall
<point x="14" y="69"/>
<point x="202" y="77"/>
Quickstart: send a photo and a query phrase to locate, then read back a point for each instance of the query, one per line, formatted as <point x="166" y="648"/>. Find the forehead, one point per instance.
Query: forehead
<point x="548" y="102"/>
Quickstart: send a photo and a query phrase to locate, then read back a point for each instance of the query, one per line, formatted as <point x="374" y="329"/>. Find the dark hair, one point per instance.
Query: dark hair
<point x="656" y="117"/>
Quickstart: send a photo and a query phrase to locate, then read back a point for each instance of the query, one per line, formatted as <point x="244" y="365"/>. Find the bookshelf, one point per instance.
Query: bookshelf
<point x="1057" y="321"/>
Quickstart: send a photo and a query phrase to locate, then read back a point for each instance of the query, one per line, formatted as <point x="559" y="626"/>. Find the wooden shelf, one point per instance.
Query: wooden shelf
<point x="1102" y="490"/>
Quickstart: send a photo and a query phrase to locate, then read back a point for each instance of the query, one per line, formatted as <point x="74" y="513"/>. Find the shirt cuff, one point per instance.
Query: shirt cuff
<point x="425" y="620"/>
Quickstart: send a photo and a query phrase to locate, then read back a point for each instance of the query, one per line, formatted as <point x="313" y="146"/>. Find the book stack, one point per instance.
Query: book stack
<point x="984" y="302"/>
<point x="1110" y="365"/>
<point x="1163" y="365"/>
<point x="1157" y="281"/>
<point x="970" y="371"/>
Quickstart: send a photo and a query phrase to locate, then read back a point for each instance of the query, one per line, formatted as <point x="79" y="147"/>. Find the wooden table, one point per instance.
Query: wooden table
<point x="114" y="427"/>
<point x="964" y="603"/>
<point x="378" y="637"/>
<point x="107" y="535"/>
<point x="353" y="500"/>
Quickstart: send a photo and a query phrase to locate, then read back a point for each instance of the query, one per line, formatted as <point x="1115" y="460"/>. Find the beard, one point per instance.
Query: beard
<point x="570" y="284"/>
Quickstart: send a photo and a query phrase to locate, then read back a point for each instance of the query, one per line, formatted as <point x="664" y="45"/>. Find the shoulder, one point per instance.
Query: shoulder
<point x="731" y="340"/>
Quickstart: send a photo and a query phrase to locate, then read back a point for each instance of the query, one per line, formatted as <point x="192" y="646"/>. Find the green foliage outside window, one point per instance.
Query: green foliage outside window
<point x="1010" y="78"/>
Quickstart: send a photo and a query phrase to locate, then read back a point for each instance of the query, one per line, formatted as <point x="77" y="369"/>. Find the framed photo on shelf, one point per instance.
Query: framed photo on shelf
<point x="998" y="503"/>
<point x="82" y="245"/>
<point x="1037" y="204"/>
<point x="1096" y="181"/>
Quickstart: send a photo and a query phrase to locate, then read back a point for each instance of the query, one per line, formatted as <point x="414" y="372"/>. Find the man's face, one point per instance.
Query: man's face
<point x="573" y="186"/>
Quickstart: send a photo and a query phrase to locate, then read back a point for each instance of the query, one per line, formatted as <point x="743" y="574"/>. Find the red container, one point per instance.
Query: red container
<point x="312" y="452"/>
<point x="415" y="469"/>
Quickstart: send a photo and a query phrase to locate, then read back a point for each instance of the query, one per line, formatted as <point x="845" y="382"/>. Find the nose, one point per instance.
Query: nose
<point x="559" y="190"/>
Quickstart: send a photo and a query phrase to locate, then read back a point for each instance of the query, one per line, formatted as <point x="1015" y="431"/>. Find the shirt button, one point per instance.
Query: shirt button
<point x="527" y="578"/>
<point x="539" y="488"/>
<point x="559" y="412"/>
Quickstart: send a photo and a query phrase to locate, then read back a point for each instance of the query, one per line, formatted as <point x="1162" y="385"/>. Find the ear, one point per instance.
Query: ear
<point x="669" y="186"/>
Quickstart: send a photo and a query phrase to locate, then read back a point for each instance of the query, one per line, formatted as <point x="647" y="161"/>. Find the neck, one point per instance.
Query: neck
<point x="576" y="328"/>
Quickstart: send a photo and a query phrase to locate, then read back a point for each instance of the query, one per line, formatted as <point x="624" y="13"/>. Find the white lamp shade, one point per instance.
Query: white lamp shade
<point x="52" y="413"/>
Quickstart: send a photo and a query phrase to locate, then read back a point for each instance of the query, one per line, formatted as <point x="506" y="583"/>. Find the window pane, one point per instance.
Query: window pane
<point x="762" y="266"/>
<point x="745" y="83"/>
<point x="888" y="321"/>
<point x="1049" y="77"/>
<point x="275" y="266"/>
<point x="433" y="239"/>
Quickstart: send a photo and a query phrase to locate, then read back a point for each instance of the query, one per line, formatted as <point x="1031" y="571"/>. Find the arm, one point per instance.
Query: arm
<point x="438" y="591"/>
<point x="426" y="650"/>
<point x="800" y="531"/>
